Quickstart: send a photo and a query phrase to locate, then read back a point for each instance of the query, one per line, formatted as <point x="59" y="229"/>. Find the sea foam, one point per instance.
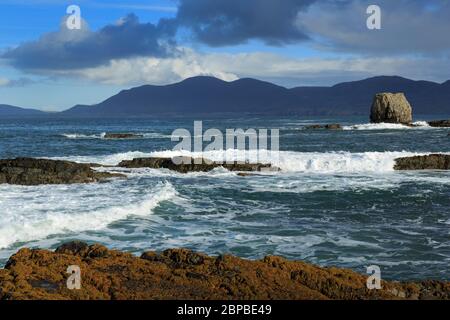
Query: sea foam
<point x="287" y="161"/>
<point x="55" y="210"/>
<point x="388" y="126"/>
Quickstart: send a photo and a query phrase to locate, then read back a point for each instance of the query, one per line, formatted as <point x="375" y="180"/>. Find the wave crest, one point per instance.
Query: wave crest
<point x="388" y="126"/>
<point x="35" y="226"/>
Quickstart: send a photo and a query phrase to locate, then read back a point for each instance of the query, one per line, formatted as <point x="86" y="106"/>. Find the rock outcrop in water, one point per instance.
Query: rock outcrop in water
<point x="428" y="162"/>
<point x="332" y="126"/>
<point x="440" y="123"/>
<point x="391" y="108"/>
<point x="183" y="274"/>
<point x="187" y="164"/>
<point x="122" y="136"/>
<point x="29" y="171"/>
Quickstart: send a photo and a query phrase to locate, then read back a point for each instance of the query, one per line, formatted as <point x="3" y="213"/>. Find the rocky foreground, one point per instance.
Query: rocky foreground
<point x="183" y="274"/>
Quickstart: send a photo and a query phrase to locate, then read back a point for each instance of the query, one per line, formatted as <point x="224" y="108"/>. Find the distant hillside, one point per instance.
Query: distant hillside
<point x="7" y="111"/>
<point x="211" y="96"/>
<point x="207" y="95"/>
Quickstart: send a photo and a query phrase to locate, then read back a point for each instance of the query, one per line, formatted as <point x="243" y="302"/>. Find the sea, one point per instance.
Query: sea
<point x="337" y="200"/>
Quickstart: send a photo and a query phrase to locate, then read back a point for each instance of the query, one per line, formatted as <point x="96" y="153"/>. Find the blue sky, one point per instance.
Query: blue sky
<point x="126" y="43"/>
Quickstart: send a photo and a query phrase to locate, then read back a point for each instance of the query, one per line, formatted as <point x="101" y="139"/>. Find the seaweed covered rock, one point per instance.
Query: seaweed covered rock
<point x="122" y="136"/>
<point x="427" y="162"/>
<point x="187" y="164"/>
<point x="30" y="171"/>
<point x="439" y="123"/>
<point x="331" y="126"/>
<point x="184" y="274"/>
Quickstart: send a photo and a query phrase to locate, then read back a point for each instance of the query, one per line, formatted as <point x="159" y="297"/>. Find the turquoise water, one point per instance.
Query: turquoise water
<point x="337" y="200"/>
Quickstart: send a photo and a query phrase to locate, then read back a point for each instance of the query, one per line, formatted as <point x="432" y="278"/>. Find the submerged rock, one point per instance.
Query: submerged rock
<point x="428" y="162"/>
<point x="30" y="171"/>
<point x="440" y="123"/>
<point x="187" y="164"/>
<point x="333" y="126"/>
<point x="391" y="108"/>
<point x="184" y="274"/>
<point x="122" y="135"/>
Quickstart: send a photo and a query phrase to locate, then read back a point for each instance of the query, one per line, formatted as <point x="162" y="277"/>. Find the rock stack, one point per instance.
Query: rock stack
<point x="391" y="108"/>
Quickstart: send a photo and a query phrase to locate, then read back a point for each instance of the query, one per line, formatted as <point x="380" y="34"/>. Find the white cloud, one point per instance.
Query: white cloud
<point x="272" y="67"/>
<point x="153" y="70"/>
<point x="4" y="82"/>
<point x="407" y="27"/>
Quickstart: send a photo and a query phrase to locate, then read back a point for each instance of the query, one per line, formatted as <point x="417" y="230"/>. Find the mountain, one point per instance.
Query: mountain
<point x="198" y="95"/>
<point x="356" y="97"/>
<point x="208" y="95"/>
<point x="211" y="96"/>
<point x="7" y="111"/>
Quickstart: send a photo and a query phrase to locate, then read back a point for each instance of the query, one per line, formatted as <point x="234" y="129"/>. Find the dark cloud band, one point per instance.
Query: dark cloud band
<point x="74" y="49"/>
<point x="408" y="27"/>
<point x="228" y="22"/>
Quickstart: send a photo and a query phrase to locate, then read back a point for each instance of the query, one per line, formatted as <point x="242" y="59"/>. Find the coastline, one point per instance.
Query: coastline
<point x="184" y="274"/>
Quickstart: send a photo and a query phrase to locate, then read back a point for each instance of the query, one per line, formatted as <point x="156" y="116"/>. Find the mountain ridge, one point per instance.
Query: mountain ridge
<point x="7" y="111"/>
<point x="209" y="95"/>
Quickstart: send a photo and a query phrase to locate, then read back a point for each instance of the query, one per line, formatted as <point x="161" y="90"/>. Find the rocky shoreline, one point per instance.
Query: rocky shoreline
<point x="184" y="274"/>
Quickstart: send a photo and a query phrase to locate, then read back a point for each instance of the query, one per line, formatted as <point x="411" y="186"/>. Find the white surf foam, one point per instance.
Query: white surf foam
<point x="387" y="126"/>
<point x="144" y="135"/>
<point x="290" y="161"/>
<point x="287" y="161"/>
<point x="110" y="160"/>
<point x="49" y="211"/>
<point x="84" y="136"/>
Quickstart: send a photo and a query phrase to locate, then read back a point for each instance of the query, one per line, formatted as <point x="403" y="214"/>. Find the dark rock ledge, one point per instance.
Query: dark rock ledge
<point x="29" y="171"/>
<point x="184" y="274"/>
<point x="440" y="123"/>
<point x="428" y="162"/>
<point x="332" y="126"/>
<point x="187" y="164"/>
<point x="122" y="136"/>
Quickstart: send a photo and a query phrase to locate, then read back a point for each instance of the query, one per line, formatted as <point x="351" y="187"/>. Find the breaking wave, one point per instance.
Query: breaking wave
<point x="287" y="161"/>
<point x="40" y="219"/>
<point x="84" y="136"/>
<point x="388" y="126"/>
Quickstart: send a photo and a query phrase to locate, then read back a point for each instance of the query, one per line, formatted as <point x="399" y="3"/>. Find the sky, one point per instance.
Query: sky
<point x="126" y="43"/>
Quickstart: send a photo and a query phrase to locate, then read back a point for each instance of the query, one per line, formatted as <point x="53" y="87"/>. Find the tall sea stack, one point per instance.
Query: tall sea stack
<point x="391" y="108"/>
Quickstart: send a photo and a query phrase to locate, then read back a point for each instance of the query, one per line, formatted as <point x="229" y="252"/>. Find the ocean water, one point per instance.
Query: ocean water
<point x="337" y="200"/>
